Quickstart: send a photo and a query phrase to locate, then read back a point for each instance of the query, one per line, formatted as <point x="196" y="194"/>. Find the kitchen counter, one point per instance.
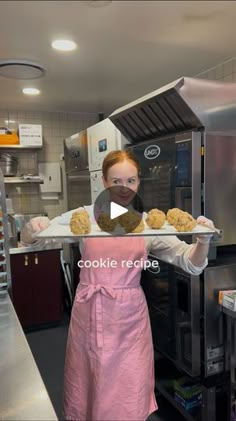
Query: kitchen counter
<point x="42" y="247"/>
<point x="23" y="395"/>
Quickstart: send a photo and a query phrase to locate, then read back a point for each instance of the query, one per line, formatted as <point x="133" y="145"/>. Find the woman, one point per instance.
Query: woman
<point x="109" y="367"/>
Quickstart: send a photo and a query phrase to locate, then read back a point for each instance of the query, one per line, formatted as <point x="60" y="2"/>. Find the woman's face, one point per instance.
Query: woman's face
<point x="124" y="175"/>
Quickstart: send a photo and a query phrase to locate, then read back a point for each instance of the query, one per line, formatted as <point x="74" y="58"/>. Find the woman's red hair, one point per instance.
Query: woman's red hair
<point x="114" y="157"/>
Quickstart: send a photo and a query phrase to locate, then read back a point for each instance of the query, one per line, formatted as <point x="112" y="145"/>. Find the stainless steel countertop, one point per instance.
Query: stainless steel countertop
<point x="42" y="247"/>
<point x="23" y="395"/>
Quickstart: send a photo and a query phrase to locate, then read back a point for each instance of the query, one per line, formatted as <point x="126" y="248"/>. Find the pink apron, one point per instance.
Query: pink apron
<point x="109" y="367"/>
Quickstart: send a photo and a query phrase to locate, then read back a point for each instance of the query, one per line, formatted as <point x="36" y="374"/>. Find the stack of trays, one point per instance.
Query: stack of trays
<point x="187" y="393"/>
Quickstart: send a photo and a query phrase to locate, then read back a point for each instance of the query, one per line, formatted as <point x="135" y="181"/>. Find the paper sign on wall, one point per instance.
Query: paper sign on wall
<point x="30" y="134"/>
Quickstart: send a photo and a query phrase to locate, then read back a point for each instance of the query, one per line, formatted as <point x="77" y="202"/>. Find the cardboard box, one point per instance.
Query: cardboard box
<point x="186" y="388"/>
<point x="189" y="404"/>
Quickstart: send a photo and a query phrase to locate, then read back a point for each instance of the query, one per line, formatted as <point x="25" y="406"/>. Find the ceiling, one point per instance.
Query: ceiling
<point x="126" y="49"/>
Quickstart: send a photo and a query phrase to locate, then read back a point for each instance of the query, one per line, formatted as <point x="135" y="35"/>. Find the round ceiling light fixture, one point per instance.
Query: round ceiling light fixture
<point x="64" y="45"/>
<point x="21" y="69"/>
<point x="31" y="91"/>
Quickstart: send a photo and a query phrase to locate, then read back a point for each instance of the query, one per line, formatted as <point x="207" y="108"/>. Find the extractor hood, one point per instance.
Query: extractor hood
<point x="185" y="104"/>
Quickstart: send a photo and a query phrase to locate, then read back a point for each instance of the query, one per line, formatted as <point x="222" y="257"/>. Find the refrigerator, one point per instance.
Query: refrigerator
<point x="78" y="193"/>
<point x="103" y="137"/>
<point x="78" y="186"/>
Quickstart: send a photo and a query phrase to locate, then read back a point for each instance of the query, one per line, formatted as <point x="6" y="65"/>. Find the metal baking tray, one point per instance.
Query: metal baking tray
<point x="63" y="231"/>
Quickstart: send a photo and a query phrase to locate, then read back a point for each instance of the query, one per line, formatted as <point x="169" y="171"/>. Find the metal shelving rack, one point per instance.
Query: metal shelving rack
<point x="5" y="268"/>
<point x="21" y="179"/>
<point x="166" y="373"/>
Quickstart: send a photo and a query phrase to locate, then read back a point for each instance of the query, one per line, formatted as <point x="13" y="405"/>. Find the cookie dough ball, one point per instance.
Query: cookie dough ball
<point x="139" y="228"/>
<point x="184" y="222"/>
<point x="131" y="221"/>
<point x="173" y="214"/>
<point x="106" y="223"/>
<point x="155" y="218"/>
<point x="80" y="222"/>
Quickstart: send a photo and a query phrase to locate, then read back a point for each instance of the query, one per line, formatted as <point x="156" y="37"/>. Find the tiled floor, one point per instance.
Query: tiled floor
<point x="48" y="348"/>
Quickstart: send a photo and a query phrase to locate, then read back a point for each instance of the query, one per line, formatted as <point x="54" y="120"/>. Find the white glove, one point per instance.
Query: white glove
<point x="205" y="238"/>
<point x="39" y="223"/>
<point x="32" y="228"/>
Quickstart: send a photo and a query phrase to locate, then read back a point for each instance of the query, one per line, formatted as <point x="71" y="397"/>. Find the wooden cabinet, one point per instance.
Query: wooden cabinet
<point x="37" y="287"/>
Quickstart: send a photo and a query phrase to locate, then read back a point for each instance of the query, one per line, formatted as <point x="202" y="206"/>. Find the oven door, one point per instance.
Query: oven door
<point x="171" y="177"/>
<point x="171" y="172"/>
<point x="173" y="299"/>
<point x="187" y="324"/>
<point x="160" y="294"/>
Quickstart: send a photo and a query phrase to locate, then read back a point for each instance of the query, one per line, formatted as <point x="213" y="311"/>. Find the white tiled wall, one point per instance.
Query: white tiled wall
<point x="56" y="126"/>
<point x="225" y="71"/>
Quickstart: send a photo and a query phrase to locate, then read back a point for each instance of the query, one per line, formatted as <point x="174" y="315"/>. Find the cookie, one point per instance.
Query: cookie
<point x="105" y="223"/>
<point x="131" y="222"/>
<point x="155" y="218"/>
<point x="172" y="215"/>
<point x="80" y="223"/>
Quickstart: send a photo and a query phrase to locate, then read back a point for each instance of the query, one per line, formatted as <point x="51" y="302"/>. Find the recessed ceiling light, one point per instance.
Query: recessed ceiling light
<point x="64" y="45"/>
<point x="31" y="91"/>
<point x="21" y="69"/>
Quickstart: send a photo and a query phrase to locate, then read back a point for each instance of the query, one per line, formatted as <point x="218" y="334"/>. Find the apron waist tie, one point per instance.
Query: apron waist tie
<point x="85" y="294"/>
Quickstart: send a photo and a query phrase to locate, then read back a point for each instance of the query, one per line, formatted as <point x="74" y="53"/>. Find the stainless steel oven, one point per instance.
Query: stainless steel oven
<point x="194" y="171"/>
<point x="174" y="173"/>
<point x="184" y="137"/>
<point x="171" y="172"/>
<point x="171" y="177"/>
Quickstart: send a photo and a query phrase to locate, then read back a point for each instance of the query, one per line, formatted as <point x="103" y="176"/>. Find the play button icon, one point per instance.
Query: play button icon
<point x="118" y="210"/>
